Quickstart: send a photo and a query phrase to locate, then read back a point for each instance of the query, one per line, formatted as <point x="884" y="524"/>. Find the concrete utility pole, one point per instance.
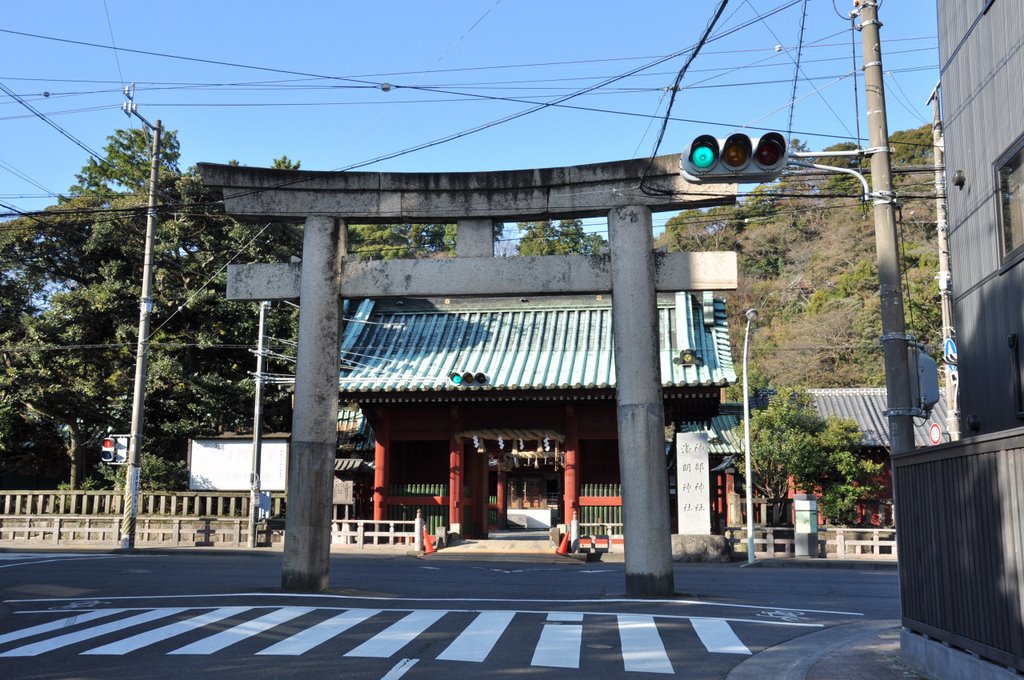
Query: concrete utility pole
<point x="257" y="427"/>
<point x="131" y="480"/>
<point x="894" y="335"/>
<point x="945" y="281"/>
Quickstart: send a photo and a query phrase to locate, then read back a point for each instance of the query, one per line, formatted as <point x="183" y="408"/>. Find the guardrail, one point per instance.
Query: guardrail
<point x="833" y="542"/>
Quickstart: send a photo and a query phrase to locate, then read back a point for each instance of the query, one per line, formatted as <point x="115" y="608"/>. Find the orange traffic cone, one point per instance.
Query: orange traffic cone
<point x="428" y="543"/>
<point x="563" y="549"/>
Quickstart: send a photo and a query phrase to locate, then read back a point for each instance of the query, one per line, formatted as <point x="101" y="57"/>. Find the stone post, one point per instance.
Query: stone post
<point x="641" y="412"/>
<point x="307" y="544"/>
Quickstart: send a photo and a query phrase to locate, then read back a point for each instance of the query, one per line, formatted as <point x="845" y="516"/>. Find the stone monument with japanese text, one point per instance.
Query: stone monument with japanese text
<point x="693" y="493"/>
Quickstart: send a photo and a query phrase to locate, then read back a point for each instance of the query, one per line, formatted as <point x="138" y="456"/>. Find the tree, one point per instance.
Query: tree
<point x="567" y="238"/>
<point x="67" y="367"/>
<point x="791" y="446"/>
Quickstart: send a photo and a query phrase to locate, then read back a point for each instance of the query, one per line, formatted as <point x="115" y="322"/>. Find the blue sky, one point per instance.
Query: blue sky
<point x="336" y="85"/>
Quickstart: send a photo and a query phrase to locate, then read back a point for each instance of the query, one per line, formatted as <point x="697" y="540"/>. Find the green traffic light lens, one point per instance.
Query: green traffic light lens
<point x="702" y="157"/>
<point x="456" y="378"/>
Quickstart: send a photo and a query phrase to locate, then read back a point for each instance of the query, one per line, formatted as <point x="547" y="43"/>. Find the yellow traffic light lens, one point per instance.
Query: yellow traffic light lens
<point x="734" y="155"/>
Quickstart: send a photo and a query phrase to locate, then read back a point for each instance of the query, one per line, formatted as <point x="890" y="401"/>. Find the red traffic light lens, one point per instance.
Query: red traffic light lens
<point x="769" y="152"/>
<point x="108" y="443"/>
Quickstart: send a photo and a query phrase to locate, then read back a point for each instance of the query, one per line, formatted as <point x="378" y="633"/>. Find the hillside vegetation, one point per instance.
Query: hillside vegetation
<point x="808" y="264"/>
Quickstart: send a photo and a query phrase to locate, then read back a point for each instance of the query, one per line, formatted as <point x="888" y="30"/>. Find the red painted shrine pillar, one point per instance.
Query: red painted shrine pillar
<point x="501" y="495"/>
<point x="572" y="449"/>
<point x="380" y="466"/>
<point x="455" y="470"/>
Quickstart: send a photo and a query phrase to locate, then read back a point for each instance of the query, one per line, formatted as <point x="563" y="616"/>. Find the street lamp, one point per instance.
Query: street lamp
<point x="751" y="317"/>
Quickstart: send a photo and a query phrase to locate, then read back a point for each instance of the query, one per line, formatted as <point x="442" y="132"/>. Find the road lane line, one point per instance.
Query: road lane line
<point x="479" y="637"/>
<point x="165" y="632"/>
<point x="94" y="632"/>
<point x="398" y="635"/>
<point x="309" y="638"/>
<point x="642" y="647"/>
<point x="718" y="637"/>
<point x="228" y="637"/>
<point x="57" y="625"/>
<point x="559" y="644"/>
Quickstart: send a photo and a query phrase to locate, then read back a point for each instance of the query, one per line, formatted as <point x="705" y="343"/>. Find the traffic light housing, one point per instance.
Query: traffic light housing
<point x="114" y="449"/>
<point x="737" y="159"/>
<point x="467" y="379"/>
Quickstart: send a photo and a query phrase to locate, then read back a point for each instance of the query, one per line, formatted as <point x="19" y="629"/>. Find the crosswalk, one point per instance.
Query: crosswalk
<point x="289" y="631"/>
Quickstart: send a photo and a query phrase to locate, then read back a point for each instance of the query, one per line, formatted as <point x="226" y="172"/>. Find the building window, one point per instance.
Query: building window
<point x="1011" y="193"/>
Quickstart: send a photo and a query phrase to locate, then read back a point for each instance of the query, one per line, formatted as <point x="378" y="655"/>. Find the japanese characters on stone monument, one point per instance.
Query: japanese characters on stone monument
<point x="693" y="494"/>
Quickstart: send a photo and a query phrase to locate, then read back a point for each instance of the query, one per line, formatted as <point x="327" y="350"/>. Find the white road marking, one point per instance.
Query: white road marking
<point x="371" y="598"/>
<point x="165" y="632"/>
<point x="398" y="635"/>
<point x="718" y="637"/>
<point x="50" y="558"/>
<point x="94" y="632"/>
<point x="478" y="638"/>
<point x="58" y="624"/>
<point x="228" y="637"/>
<point x="559" y="644"/>
<point x="400" y="669"/>
<point x="309" y="638"/>
<point x="642" y="646"/>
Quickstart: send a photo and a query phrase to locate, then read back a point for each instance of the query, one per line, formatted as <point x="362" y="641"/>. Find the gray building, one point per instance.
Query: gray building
<point x="960" y="504"/>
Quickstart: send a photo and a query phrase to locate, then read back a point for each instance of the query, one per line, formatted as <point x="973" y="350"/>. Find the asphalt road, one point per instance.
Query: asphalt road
<point x="207" y="613"/>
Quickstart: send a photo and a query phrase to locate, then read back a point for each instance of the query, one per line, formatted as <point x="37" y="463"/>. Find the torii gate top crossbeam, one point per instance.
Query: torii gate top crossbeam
<point x="381" y="197"/>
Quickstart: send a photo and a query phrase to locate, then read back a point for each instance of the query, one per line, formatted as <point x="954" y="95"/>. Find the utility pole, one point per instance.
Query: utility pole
<point x="894" y="335"/>
<point x="257" y="427"/>
<point x="131" y="481"/>
<point x="945" y="283"/>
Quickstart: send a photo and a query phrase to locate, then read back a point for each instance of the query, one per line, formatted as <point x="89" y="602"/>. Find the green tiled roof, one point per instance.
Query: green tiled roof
<point x="722" y="437"/>
<point x="543" y="343"/>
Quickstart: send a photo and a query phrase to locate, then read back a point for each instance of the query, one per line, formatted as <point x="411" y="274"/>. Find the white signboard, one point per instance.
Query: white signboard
<point x="693" y="493"/>
<point x="225" y="464"/>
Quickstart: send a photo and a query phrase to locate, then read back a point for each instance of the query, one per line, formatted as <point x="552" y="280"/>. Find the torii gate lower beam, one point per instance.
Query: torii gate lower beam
<point x="626" y="192"/>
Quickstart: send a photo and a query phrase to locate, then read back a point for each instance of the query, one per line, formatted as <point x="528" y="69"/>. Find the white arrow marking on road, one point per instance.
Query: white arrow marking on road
<point x="398" y="635"/>
<point x="94" y="632"/>
<point x="642" y="648"/>
<point x="228" y="637"/>
<point x="718" y="636"/>
<point x="164" y="632"/>
<point x="479" y="637"/>
<point x="309" y="638"/>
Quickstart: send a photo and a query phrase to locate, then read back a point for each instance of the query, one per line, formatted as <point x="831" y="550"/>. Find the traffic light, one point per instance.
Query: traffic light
<point x="737" y="159"/>
<point x="467" y="379"/>
<point x="109" y="450"/>
<point x="115" y="449"/>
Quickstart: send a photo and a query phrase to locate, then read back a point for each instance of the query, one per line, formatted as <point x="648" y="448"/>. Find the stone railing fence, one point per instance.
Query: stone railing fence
<point x="833" y="542"/>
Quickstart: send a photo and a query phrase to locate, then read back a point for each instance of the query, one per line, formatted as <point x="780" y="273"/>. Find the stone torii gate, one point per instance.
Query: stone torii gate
<point x="626" y="192"/>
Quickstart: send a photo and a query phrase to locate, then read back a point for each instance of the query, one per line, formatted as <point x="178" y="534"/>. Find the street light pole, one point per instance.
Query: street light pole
<point x="751" y="317"/>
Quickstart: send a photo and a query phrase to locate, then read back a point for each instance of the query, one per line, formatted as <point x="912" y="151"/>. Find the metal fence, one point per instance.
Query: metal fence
<point x="962" y="544"/>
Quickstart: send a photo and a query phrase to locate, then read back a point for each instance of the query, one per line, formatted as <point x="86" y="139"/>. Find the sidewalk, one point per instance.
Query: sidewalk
<point x="866" y="650"/>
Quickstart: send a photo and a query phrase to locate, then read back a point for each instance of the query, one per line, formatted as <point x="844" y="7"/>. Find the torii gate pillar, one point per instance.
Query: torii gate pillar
<point x="307" y="542"/>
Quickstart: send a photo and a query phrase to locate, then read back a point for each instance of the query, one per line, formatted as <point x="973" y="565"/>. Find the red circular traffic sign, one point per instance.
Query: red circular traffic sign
<point x="935" y="433"/>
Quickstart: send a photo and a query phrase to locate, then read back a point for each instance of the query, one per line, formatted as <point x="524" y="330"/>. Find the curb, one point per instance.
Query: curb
<point x="793" y="659"/>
